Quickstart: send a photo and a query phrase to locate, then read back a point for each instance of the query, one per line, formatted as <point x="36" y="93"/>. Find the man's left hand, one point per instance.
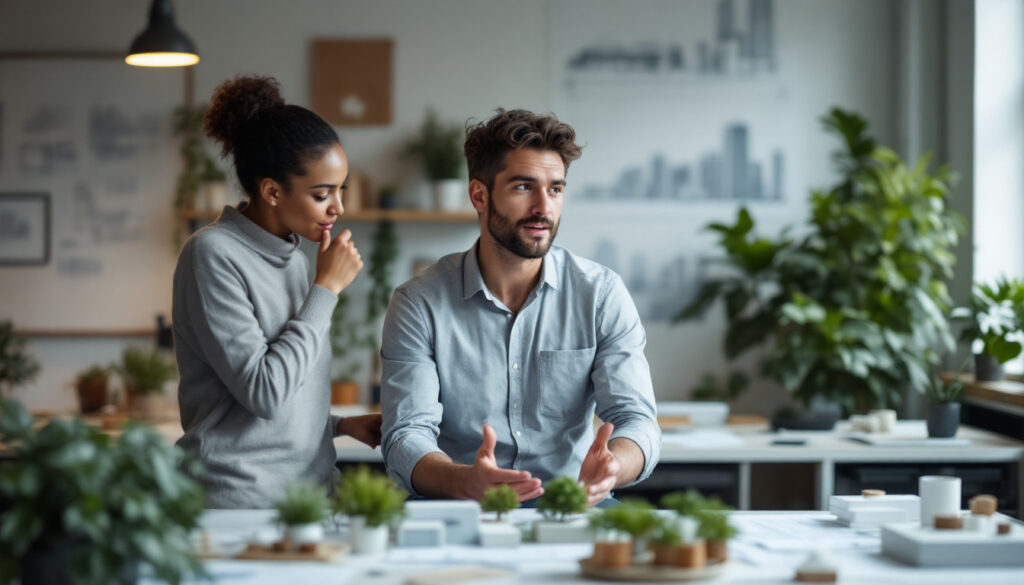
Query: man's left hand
<point x="365" y="428"/>
<point x="600" y="468"/>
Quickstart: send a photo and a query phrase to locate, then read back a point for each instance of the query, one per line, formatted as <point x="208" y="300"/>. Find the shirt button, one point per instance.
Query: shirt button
<point x="519" y="433"/>
<point x="515" y="366"/>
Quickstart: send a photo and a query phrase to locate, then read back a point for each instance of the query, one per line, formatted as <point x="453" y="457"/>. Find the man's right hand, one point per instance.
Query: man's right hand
<point x="485" y="473"/>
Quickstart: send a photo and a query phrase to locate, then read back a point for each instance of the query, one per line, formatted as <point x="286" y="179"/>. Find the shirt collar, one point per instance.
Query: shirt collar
<point x="473" y="280"/>
<point x="260" y="239"/>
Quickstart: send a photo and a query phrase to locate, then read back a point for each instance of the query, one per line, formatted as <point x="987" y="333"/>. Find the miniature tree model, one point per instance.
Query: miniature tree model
<point x="687" y="503"/>
<point x="562" y="496"/>
<point x="500" y="499"/>
<point x="371" y="495"/>
<point x="302" y="504"/>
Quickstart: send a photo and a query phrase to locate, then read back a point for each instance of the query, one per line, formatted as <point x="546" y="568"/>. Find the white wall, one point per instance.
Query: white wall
<point x="465" y="57"/>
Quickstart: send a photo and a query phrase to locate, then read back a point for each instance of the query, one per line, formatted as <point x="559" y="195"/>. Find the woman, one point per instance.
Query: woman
<point x="250" y="332"/>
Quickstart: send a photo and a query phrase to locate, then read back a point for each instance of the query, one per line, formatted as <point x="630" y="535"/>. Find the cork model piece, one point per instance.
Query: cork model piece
<point x="817" y="568"/>
<point x="949" y="522"/>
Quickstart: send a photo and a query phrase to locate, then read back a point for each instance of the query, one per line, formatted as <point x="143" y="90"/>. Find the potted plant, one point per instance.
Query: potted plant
<point x="438" y="146"/>
<point x="711" y="390"/>
<point x="675" y="544"/>
<point x="499" y="500"/>
<point x="944" y="406"/>
<point x="562" y="497"/>
<point x="854" y="310"/>
<point x="371" y="501"/>
<point x="144" y="373"/>
<point x="994" y="318"/>
<point x="201" y="183"/>
<point x="302" y="511"/>
<point x="91" y="386"/>
<point x="383" y="252"/>
<point x="715" y="530"/>
<point x="347" y="338"/>
<point x="16" y="365"/>
<point x="81" y="507"/>
<point x="613" y="547"/>
<point x="636" y="518"/>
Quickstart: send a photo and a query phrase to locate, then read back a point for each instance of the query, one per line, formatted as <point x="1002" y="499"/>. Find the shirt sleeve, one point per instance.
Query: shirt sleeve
<point x="410" y="387"/>
<point x="260" y="373"/>
<point x="621" y="376"/>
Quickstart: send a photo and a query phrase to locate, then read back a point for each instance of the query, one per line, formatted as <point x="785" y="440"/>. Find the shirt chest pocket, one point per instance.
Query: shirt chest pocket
<point x="564" y="381"/>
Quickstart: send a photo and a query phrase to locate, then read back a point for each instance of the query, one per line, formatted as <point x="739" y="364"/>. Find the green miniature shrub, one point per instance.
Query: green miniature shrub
<point x="562" y="496"/>
<point x="371" y="495"/>
<point x="303" y="503"/>
<point x="500" y="499"/>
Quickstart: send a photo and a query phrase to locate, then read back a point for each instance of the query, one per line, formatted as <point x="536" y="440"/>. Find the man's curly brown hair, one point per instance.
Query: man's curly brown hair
<point x="488" y="142"/>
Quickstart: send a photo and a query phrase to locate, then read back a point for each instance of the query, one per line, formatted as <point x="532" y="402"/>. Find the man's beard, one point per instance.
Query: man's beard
<point x="506" y="233"/>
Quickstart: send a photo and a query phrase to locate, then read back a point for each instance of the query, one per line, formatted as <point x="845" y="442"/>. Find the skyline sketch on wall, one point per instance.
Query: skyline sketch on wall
<point x="726" y="175"/>
<point x="734" y="50"/>
<point x="659" y="291"/>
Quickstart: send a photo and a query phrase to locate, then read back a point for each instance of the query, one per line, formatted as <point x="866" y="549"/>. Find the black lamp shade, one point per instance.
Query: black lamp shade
<point x="162" y="44"/>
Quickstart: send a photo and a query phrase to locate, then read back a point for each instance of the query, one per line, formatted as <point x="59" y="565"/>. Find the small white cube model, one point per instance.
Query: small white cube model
<point x="499" y="534"/>
<point x="929" y="547"/>
<point x="423" y="533"/>
<point x="556" y="532"/>
<point x="461" y="517"/>
<point x="873" y="511"/>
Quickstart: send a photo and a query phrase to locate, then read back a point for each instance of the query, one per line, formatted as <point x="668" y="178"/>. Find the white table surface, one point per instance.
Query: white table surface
<point x="767" y="551"/>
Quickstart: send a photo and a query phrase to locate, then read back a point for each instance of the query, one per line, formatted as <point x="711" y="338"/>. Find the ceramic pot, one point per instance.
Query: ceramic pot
<point x="450" y="195"/>
<point x="344" y="392"/>
<point x="987" y="368"/>
<point x="92" y="396"/>
<point x="664" y="554"/>
<point x="613" y="553"/>
<point x="943" y="419"/>
<point x="300" y="534"/>
<point x="149" y="406"/>
<point x="717" y="550"/>
<point x="694" y="555"/>
<point x="367" y="540"/>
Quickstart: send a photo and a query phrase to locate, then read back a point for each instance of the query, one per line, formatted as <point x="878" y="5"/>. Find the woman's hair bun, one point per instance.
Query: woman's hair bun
<point x="236" y="102"/>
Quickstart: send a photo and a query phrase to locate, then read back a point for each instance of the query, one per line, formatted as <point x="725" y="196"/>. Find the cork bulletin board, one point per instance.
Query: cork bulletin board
<point x="352" y="81"/>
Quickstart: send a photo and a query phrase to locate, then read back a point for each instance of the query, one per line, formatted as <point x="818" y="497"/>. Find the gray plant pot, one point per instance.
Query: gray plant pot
<point x="48" y="562"/>
<point x="987" y="368"/>
<point x="943" y="419"/>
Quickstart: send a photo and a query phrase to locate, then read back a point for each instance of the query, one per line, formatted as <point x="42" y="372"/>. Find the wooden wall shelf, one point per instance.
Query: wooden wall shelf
<point x="1009" y="391"/>
<point x="399" y="215"/>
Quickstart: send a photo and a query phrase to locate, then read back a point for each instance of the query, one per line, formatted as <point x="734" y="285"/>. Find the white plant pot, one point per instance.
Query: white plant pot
<point x="552" y="532"/>
<point x="451" y="195"/>
<point x="499" y="534"/>
<point x="367" y="540"/>
<point x="301" y="534"/>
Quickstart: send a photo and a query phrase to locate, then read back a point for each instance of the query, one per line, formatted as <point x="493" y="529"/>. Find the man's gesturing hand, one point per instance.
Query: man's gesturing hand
<point x="600" y="467"/>
<point x="485" y="473"/>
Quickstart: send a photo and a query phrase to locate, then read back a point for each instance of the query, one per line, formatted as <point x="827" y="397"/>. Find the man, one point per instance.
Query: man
<point x="495" y="359"/>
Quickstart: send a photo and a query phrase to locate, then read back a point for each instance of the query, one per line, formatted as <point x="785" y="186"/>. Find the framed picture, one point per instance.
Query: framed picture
<point x="24" y="229"/>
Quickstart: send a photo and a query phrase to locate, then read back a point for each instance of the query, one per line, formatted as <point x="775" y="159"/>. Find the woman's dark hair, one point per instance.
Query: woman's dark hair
<point x="488" y="142"/>
<point x="266" y="137"/>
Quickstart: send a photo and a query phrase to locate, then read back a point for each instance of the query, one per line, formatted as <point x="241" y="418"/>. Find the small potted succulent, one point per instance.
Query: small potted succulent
<point x="91" y="386"/>
<point x="675" y="542"/>
<point x="371" y="501"/>
<point x="716" y="530"/>
<point x="144" y="373"/>
<point x="499" y="500"/>
<point x="562" y="497"/>
<point x="613" y="547"/>
<point x="302" y="512"/>
<point x="944" y="406"/>
<point x="634" y="518"/>
<point x="993" y="321"/>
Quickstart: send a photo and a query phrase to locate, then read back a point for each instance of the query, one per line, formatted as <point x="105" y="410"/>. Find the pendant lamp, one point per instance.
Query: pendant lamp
<point x="162" y="44"/>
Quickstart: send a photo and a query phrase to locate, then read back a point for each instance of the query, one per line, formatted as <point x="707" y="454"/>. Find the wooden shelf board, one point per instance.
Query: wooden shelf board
<point x="402" y="215"/>
<point x="1008" y="391"/>
<point x="85" y="333"/>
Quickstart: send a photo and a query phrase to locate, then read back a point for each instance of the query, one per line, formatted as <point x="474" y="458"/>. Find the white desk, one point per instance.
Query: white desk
<point x="823" y="449"/>
<point x="769" y="548"/>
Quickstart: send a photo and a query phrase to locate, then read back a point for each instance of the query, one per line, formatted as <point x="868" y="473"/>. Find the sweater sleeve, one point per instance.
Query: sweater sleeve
<point x="262" y="374"/>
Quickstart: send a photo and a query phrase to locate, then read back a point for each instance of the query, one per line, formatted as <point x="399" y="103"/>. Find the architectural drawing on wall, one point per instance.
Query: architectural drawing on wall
<point x="46" y="146"/>
<point x="102" y="224"/>
<point x="659" y="290"/>
<point x="742" y="45"/>
<point x="116" y="135"/>
<point x="729" y="174"/>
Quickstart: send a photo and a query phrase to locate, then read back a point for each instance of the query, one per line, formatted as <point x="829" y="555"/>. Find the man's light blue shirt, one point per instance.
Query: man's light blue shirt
<point x="454" y="357"/>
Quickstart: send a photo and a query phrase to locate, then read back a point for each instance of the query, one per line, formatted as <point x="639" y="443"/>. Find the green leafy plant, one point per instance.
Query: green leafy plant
<point x="500" y="499"/>
<point x="562" y="496"/>
<point x="94" y="374"/>
<point x="16" y="365"/>
<point x="145" y="371"/>
<point x="199" y="167"/>
<point x="372" y="495"/>
<point x="347" y="337"/>
<point x="303" y="503"/>
<point x="709" y="512"/>
<point x="116" y="502"/>
<point x="711" y="390"/>
<point x="855" y="310"/>
<point x="686" y="503"/>
<point x="714" y="525"/>
<point x="632" y="516"/>
<point x="438" y="146"/>
<point x="994" y="318"/>
<point x="666" y="531"/>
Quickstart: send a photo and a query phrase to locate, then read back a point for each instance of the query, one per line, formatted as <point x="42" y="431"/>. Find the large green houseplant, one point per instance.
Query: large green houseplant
<point x="77" y="506"/>
<point x="854" y="310"/>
